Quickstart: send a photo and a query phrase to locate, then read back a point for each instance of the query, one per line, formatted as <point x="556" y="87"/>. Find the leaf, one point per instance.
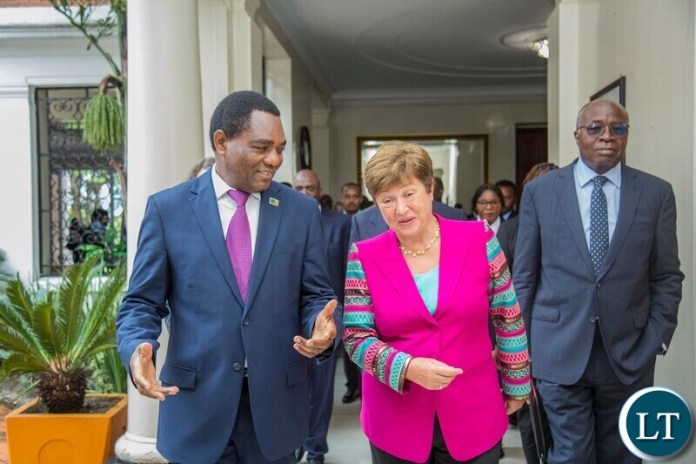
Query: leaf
<point x="14" y="341"/>
<point x="18" y="362"/>
<point x="46" y="329"/>
<point x="21" y="298"/>
<point x="72" y="296"/>
<point x="101" y="314"/>
<point x="15" y="317"/>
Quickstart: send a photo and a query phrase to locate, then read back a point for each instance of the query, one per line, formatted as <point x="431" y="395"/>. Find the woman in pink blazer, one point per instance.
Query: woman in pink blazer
<point x="418" y="302"/>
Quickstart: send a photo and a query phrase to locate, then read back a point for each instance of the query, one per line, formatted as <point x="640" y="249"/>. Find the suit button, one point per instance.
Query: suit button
<point x="593" y="319"/>
<point x="599" y="285"/>
<point x="237" y="367"/>
<point x="246" y="321"/>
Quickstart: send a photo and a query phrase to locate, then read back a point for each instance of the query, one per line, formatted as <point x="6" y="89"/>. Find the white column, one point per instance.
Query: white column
<point x="319" y="138"/>
<point x="164" y="141"/>
<point x="245" y="51"/>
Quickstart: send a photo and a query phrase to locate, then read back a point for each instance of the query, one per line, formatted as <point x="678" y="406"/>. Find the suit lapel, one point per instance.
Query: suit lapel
<point x="205" y="208"/>
<point x="453" y="253"/>
<point x="377" y="221"/>
<point x="387" y="258"/>
<point x="565" y="189"/>
<point x="629" y="197"/>
<point x="271" y="210"/>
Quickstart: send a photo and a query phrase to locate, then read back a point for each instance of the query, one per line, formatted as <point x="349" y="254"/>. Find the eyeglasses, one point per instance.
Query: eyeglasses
<point x="485" y="203"/>
<point x="595" y="129"/>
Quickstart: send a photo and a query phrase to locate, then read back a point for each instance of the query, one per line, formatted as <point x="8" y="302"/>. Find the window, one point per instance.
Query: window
<point x="79" y="190"/>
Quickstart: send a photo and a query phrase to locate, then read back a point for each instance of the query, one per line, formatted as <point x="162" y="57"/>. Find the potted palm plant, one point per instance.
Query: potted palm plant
<point x="57" y="333"/>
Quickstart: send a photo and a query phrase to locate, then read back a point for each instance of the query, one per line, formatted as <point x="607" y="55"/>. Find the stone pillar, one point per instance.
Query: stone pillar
<point x="245" y="51"/>
<point x="165" y="136"/>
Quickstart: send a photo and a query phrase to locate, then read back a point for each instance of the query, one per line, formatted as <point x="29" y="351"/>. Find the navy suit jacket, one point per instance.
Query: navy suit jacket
<point x="336" y="234"/>
<point x="182" y="266"/>
<point x="369" y="222"/>
<point x="635" y="298"/>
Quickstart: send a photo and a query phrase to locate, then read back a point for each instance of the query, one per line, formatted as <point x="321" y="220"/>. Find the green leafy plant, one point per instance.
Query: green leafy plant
<point x="104" y="127"/>
<point x="59" y="332"/>
<point x="5" y="274"/>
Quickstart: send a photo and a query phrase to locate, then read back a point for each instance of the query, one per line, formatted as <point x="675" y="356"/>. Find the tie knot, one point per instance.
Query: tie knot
<point x="238" y="196"/>
<point x="599" y="181"/>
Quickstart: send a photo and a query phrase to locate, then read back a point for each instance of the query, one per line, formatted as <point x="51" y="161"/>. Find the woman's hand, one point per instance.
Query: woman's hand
<point x="512" y="405"/>
<point x="430" y="373"/>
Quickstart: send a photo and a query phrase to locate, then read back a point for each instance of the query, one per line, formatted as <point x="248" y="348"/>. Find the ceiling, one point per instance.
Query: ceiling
<point x="392" y="51"/>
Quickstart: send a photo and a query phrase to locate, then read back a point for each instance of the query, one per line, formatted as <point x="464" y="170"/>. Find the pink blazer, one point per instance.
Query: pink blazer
<point x="471" y="410"/>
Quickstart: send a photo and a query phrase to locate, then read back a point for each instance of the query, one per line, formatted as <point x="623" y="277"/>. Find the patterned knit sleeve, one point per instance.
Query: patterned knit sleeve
<point x="510" y="333"/>
<point x="360" y="338"/>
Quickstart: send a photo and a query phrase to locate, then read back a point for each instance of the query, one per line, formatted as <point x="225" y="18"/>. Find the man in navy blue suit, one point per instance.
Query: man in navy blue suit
<point x="321" y="376"/>
<point x="248" y="304"/>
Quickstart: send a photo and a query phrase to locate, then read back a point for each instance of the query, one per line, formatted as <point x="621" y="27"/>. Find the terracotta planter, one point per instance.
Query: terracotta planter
<point x="84" y="438"/>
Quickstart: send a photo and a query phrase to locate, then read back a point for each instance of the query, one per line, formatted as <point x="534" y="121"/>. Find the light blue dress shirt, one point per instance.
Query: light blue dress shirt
<point x="427" y="284"/>
<point x="612" y="190"/>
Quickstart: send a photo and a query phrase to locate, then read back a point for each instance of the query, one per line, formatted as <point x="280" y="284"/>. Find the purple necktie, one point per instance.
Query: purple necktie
<point x="239" y="242"/>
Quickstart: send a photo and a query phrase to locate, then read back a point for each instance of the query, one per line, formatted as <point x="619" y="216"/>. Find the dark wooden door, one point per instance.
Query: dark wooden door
<point x="531" y="147"/>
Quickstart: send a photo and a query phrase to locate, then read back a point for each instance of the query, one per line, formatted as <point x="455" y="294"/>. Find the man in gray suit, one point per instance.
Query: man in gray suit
<point x="597" y="276"/>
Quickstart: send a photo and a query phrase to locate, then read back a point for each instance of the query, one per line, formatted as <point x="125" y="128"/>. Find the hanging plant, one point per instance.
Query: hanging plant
<point x="104" y="122"/>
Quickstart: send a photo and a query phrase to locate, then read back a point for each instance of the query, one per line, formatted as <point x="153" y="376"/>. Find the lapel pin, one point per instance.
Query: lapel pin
<point x="273" y="201"/>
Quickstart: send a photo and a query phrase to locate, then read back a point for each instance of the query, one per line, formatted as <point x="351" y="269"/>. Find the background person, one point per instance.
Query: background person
<point x="418" y="301"/>
<point x="351" y="202"/>
<point x="238" y="262"/>
<point x="351" y="198"/>
<point x="509" y="191"/>
<point x="321" y="375"/>
<point x="202" y="167"/>
<point x="598" y="279"/>
<point x="507" y="236"/>
<point x="487" y="204"/>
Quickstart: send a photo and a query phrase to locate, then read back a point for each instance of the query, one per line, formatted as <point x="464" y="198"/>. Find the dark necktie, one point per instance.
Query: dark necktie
<point x="239" y="242"/>
<point x="599" y="224"/>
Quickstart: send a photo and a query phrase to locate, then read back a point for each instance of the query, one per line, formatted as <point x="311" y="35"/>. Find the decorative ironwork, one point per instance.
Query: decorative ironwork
<point x="80" y="198"/>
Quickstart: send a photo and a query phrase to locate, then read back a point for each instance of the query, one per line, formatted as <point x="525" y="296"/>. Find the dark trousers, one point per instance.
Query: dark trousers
<point x="524" y="422"/>
<point x="352" y="371"/>
<point x="321" y="388"/>
<point x="243" y="447"/>
<point x="584" y="417"/>
<point x="438" y="454"/>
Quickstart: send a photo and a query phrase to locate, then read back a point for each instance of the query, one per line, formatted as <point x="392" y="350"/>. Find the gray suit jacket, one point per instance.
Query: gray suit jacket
<point x="634" y="299"/>
<point x="369" y="222"/>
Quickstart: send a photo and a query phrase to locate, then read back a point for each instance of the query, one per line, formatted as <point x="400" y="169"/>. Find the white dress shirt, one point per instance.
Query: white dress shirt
<point x="227" y="207"/>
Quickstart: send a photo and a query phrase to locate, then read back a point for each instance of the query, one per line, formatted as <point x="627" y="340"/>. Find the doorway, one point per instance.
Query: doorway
<point x="531" y="148"/>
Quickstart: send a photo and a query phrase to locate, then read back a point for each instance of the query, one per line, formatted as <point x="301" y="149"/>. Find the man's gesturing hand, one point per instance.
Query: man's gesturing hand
<point x="322" y="336"/>
<point x="143" y="373"/>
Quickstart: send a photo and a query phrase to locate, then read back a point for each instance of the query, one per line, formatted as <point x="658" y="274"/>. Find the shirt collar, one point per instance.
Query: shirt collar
<point x="586" y="174"/>
<point x="221" y="187"/>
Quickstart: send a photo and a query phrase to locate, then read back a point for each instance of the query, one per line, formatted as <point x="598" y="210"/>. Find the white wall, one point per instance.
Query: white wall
<point x="652" y="44"/>
<point x="498" y="120"/>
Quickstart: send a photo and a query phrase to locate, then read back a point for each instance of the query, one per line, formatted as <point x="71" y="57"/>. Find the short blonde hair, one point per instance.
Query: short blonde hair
<point x="395" y="162"/>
